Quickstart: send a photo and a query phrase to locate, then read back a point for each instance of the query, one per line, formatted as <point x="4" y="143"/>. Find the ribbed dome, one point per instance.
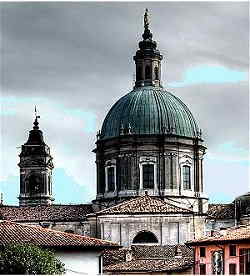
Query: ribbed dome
<point x="149" y="110"/>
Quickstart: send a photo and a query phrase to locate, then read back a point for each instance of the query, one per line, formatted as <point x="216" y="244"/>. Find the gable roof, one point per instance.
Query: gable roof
<point x="144" y="205"/>
<point x="240" y="234"/>
<point x="38" y="213"/>
<point x="17" y="233"/>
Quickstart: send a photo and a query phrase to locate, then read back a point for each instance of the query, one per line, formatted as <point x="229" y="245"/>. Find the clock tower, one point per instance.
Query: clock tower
<point x="35" y="170"/>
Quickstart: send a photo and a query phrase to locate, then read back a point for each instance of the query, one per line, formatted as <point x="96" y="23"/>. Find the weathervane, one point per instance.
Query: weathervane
<point x="36" y="122"/>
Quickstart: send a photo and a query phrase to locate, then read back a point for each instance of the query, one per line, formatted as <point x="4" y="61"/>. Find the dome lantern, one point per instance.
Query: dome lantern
<point x="148" y="59"/>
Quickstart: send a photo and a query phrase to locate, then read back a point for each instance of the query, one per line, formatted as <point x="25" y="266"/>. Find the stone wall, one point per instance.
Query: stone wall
<point x="167" y="229"/>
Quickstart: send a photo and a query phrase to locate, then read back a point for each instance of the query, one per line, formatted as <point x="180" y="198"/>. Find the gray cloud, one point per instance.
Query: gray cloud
<point x="80" y="54"/>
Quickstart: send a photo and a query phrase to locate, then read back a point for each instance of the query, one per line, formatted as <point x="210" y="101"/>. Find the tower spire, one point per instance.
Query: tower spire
<point x="35" y="169"/>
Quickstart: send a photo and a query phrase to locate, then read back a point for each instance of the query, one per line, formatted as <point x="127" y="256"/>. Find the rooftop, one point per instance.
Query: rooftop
<point x="17" y="233"/>
<point x="149" y="259"/>
<point x="221" y="211"/>
<point x="45" y="213"/>
<point x="144" y="205"/>
<point x="239" y="234"/>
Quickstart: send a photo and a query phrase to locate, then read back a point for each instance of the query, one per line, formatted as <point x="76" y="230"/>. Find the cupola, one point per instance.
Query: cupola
<point x="147" y="59"/>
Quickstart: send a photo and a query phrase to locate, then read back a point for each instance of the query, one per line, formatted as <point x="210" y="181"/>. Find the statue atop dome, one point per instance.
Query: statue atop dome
<point x="146" y="19"/>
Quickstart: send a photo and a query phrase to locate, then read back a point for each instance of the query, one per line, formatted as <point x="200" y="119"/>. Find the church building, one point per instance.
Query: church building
<point x="149" y="165"/>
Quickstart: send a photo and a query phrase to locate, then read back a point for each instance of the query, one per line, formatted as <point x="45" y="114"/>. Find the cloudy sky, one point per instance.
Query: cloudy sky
<point x="74" y="61"/>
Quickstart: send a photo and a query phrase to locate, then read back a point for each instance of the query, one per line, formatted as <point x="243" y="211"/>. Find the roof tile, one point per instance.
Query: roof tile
<point x="46" y="213"/>
<point x="239" y="233"/>
<point x="221" y="211"/>
<point x="143" y="205"/>
<point x="148" y="258"/>
<point x="11" y="232"/>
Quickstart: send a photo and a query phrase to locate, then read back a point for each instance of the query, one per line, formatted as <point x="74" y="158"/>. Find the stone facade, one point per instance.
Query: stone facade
<point x="167" y="229"/>
<point x="168" y="155"/>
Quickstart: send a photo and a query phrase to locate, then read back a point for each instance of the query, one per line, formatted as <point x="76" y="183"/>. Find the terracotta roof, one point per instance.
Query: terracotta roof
<point x="19" y="233"/>
<point x="146" y="258"/>
<point x="160" y="251"/>
<point x="114" y="256"/>
<point x="46" y="213"/>
<point x="240" y="233"/>
<point x="221" y="211"/>
<point x="148" y="265"/>
<point x="143" y="205"/>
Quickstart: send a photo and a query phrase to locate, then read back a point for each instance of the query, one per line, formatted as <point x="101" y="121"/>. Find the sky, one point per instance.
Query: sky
<point x="75" y="60"/>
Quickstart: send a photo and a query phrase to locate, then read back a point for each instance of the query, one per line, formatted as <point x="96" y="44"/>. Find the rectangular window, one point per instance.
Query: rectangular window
<point x="202" y="269"/>
<point x="244" y="261"/>
<point x="100" y="259"/>
<point x="111" y="179"/>
<point x="202" y="251"/>
<point x="123" y="174"/>
<point x="232" y="250"/>
<point x="186" y="178"/>
<point x="148" y="176"/>
<point x="174" y="231"/>
<point x="232" y="269"/>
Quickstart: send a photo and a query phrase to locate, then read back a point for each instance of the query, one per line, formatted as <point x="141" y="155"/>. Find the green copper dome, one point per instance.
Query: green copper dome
<point x="149" y="110"/>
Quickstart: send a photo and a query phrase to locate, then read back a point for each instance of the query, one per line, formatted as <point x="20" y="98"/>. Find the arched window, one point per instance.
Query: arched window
<point x="138" y="73"/>
<point x="147" y="72"/>
<point x="186" y="177"/>
<point x="156" y="73"/>
<point x="35" y="183"/>
<point x="111" y="179"/>
<point x="148" y="176"/>
<point x="145" y="237"/>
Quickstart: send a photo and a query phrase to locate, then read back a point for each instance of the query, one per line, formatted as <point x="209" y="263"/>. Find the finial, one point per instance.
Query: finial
<point x="36" y="123"/>
<point x="146" y="20"/>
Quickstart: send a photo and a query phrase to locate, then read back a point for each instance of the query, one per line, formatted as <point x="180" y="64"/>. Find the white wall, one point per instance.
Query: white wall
<point x="84" y="262"/>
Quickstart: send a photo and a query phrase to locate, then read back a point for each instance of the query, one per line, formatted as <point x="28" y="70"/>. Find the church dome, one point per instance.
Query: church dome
<point x="149" y="110"/>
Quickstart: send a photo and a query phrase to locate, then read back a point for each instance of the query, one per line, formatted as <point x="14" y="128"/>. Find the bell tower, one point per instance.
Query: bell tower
<point x="148" y="59"/>
<point x="35" y="170"/>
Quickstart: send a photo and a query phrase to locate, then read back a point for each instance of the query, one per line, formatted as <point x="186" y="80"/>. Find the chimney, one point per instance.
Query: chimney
<point x="129" y="256"/>
<point x="178" y="253"/>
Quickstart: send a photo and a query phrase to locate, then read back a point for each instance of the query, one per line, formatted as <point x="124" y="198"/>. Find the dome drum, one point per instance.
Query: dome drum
<point x="122" y="161"/>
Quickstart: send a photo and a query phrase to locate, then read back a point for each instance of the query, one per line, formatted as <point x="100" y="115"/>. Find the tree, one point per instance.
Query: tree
<point x="29" y="259"/>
